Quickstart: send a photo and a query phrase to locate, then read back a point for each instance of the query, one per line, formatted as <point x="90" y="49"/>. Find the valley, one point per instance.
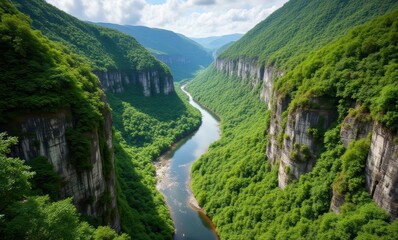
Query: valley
<point x="122" y="131"/>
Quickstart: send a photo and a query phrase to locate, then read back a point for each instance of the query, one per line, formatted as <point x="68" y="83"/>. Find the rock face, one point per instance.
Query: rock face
<point x="252" y="73"/>
<point x="293" y="138"/>
<point x="337" y="201"/>
<point x="381" y="169"/>
<point x="93" y="190"/>
<point x="301" y="145"/>
<point x="151" y="82"/>
<point x="353" y="129"/>
<point x="273" y="151"/>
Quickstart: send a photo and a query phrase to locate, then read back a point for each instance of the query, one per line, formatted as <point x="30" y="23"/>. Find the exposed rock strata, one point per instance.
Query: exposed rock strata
<point x="252" y="73"/>
<point x="382" y="162"/>
<point x="301" y="145"/>
<point x="382" y="169"/>
<point x="151" y="82"/>
<point x="44" y="134"/>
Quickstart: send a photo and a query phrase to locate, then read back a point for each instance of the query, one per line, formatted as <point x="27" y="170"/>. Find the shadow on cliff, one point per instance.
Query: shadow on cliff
<point x="142" y="209"/>
<point x="161" y="107"/>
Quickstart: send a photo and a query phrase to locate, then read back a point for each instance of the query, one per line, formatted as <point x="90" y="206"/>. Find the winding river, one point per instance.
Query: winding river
<point x="173" y="176"/>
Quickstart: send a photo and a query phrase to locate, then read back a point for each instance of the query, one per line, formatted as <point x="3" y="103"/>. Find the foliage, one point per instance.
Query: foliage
<point x="14" y="175"/>
<point x="58" y="220"/>
<point x="104" y="48"/>
<point x="350" y="180"/>
<point x="238" y="189"/>
<point x="358" y="69"/>
<point x="41" y="76"/>
<point x="300" y="26"/>
<point x="45" y="181"/>
<point x="107" y="233"/>
<point x="145" y="128"/>
<point x="44" y="76"/>
<point x="36" y="217"/>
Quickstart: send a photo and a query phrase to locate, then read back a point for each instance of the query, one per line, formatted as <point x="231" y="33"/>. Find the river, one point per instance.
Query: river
<point x="173" y="174"/>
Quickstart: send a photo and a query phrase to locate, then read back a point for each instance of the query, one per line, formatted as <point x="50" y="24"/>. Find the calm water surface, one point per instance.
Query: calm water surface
<point x="173" y="180"/>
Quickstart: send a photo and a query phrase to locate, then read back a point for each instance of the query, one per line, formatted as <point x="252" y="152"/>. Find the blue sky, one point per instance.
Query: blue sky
<point x="193" y="18"/>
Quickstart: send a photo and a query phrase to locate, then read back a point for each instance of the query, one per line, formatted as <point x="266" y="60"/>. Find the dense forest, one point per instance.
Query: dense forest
<point x="315" y="24"/>
<point x="57" y="79"/>
<point x="234" y="182"/>
<point x="104" y="48"/>
<point x="46" y="76"/>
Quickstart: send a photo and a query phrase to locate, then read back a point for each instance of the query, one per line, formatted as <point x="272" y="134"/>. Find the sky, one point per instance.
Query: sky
<point x="193" y="18"/>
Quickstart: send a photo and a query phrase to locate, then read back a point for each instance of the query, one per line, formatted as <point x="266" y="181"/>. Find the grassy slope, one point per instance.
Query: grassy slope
<point x="104" y="48"/>
<point x="286" y="36"/>
<point x="234" y="183"/>
<point x="146" y="127"/>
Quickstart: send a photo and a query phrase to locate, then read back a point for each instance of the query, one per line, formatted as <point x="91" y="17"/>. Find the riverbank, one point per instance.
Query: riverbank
<point x="173" y="176"/>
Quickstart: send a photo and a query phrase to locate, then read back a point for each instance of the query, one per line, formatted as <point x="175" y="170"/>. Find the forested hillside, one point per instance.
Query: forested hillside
<point x="116" y="58"/>
<point x="285" y="37"/>
<point x="49" y="80"/>
<point x="305" y="168"/>
<point x="104" y="48"/>
<point x="183" y="56"/>
<point x="43" y="76"/>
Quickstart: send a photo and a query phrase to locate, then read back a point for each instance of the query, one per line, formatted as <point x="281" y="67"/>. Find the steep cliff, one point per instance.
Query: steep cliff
<point x="328" y="70"/>
<point x="252" y="73"/>
<point x="299" y="118"/>
<point x="92" y="187"/>
<point x="263" y="64"/>
<point x="116" y="58"/>
<point x="50" y="100"/>
<point x="151" y="82"/>
<point x="301" y="139"/>
<point x="382" y="161"/>
<point x="381" y="169"/>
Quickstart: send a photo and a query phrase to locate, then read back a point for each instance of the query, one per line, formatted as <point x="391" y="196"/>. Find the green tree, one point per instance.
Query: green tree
<point x="14" y="175"/>
<point x="46" y="180"/>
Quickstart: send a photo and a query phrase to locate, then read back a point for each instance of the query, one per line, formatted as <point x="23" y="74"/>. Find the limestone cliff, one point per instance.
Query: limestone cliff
<point x="300" y="145"/>
<point x="94" y="189"/>
<point x="152" y="82"/>
<point x="250" y="72"/>
<point x="295" y="138"/>
<point x="381" y="169"/>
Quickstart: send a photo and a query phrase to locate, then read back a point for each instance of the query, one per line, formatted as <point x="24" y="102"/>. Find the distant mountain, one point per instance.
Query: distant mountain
<point x="216" y="42"/>
<point x="116" y="58"/>
<point x="183" y="55"/>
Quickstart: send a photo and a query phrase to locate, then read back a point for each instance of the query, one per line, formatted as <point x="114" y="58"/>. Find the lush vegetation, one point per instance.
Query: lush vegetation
<point x="238" y="188"/>
<point x="42" y="76"/>
<point x="104" y="48"/>
<point x="181" y="54"/>
<point x="234" y="182"/>
<point x="58" y="79"/>
<point x="27" y="216"/>
<point x="286" y="36"/>
<point x="145" y="128"/>
<point x="360" y="68"/>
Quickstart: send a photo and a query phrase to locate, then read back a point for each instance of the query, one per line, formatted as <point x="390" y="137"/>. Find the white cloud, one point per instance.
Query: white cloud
<point x="193" y="18"/>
